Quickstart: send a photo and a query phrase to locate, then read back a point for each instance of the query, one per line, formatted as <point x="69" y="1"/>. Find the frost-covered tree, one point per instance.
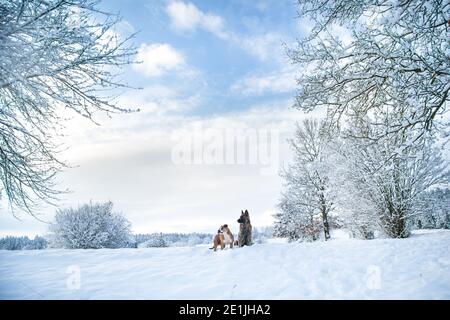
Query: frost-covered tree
<point x="381" y="184"/>
<point x="172" y="239"/>
<point x="23" y="243"/>
<point x="38" y="243"/>
<point x="307" y="197"/>
<point x="435" y="210"/>
<point x="91" y="226"/>
<point x="56" y="56"/>
<point x="390" y="56"/>
<point x="356" y="209"/>
<point x="296" y="219"/>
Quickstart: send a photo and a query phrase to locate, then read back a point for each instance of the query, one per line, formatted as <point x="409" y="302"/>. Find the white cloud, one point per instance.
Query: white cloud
<point x="281" y="81"/>
<point x="186" y="17"/>
<point x="157" y="59"/>
<point x="134" y="156"/>
<point x="264" y="46"/>
<point x="128" y="160"/>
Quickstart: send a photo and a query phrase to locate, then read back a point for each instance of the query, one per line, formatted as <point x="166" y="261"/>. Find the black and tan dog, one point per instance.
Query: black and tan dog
<point x="245" y="230"/>
<point x="223" y="237"/>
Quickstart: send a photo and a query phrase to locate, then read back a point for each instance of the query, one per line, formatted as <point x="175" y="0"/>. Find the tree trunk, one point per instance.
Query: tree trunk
<point x="326" y="225"/>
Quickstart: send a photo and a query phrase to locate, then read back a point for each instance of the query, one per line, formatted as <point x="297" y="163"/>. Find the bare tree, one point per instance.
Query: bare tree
<point x="395" y="59"/>
<point x="56" y="55"/>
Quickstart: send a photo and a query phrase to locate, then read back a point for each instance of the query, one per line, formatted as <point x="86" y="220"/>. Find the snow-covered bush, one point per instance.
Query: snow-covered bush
<point x="90" y="226"/>
<point x="155" y="241"/>
<point x="296" y="228"/>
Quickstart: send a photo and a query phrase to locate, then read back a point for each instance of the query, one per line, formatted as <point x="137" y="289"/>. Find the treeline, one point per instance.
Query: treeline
<point x="97" y="225"/>
<point x="162" y="240"/>
<point x="259" y="235"/>
<point x="23" y="243"/>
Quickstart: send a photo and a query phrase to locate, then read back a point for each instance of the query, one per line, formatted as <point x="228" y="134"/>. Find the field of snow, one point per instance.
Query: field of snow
<point x="413" y="268"/>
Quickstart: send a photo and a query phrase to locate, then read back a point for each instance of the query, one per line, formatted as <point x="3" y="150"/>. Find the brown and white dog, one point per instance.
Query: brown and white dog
<point x="223" y="237"/>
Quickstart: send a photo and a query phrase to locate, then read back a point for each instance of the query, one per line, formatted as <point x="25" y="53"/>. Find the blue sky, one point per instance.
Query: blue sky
<point x="212" y="64"/>
<point x="227" y="47"/>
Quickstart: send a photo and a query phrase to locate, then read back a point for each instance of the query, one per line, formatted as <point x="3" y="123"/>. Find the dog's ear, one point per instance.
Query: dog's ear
<point x="246" y="212"/>
<point x="225" y="226"/>
<point x="242" y="211"/>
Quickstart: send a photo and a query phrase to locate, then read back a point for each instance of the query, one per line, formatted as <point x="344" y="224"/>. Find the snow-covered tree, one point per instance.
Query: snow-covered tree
<point x="91" y="226"/>
<point x="435" y="210"/>
<point x="172" y="239"/>
<point x="364" y="57"/>
<point x="306" y="198"/>
<point x="22" y="243"/>
<point x="296" y="220"/>
<point x="56" y="56"/>
<point x="381" y="183"/>
<point x="38" y="243"/>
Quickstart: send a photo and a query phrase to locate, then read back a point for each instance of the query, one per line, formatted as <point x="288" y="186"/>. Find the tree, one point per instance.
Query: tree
<point x="382" y="183"/>
<point x="435" y="210"/>
<point x="296" y="220"/>
<point x="56" y="55"/>
<point x="350" y="172"/>
<point x="22" y="243"/>
<point x="396" y="60"/>
<point x="306" y="182"/>
<point x="91" y="226"/>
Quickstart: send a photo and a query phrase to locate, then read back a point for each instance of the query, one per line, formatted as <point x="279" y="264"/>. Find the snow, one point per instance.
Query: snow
<point x="414" y="268"/>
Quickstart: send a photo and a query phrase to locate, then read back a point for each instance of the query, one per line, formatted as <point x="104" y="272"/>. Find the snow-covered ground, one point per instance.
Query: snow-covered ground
<point x="413" y="268"/>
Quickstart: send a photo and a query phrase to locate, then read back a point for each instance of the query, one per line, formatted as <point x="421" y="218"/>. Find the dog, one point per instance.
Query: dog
<point x="245" y="230"/>
<point x="223" y="237"/>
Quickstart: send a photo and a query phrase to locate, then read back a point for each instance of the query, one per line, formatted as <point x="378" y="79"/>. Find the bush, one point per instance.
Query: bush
<point x="91" y="226"/>
<point x="155" y="241"/>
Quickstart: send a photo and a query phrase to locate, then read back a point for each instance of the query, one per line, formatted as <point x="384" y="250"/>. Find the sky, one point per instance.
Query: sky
<point x="214" y="79"/>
